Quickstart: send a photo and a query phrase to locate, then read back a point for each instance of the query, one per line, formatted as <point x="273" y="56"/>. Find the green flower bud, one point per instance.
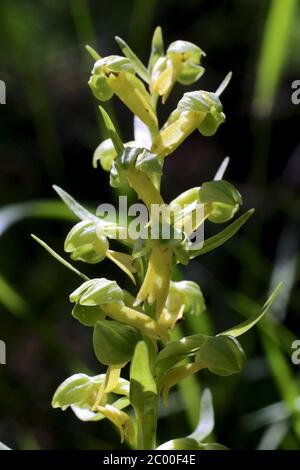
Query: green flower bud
<point x="114" y="342"/>
<point x="222" y="355"/>
<point x="184" y="443"/>
<point x="224" y="199"/>
<point x="86" y="243"/>
<point x="97" y="292"/>
<point x="106" y="153"/>
<point x="133" y="157"/>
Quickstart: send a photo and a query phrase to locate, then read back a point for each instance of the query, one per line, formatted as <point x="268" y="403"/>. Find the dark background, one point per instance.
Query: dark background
<point x="48" y="132"/>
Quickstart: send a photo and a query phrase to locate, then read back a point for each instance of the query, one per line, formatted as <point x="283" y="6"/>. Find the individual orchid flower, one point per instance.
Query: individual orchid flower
<point x="87" y="242"/>
<point x="79" y="392"/>
<point x="116" y="75"/>
<point x="181" y="64"/>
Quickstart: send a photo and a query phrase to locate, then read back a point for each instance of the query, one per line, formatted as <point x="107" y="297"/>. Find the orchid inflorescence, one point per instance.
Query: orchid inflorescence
<point x="136" y="327"/>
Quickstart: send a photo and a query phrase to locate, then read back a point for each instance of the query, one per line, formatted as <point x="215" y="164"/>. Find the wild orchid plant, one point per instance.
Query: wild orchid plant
<point x="137" y="327"/>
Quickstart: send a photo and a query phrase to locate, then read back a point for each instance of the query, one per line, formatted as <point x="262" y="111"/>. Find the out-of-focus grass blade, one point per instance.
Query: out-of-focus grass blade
<point x="206" y="422"/>
<point x="273" y="54"/>
<point x="3" y="446"/>
<point x="285" y="267"/>
<point x="279" y="364"/>
<point x="11" y="299"/>
<point x="141" y="22"/>
<point x="13" y="213"/>
<point x="283" y="375"/>
<point x="273" y="436"/>
<point x="217" y="240"/>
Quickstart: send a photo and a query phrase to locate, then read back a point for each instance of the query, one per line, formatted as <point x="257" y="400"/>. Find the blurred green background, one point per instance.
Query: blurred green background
<point x="49" y="129"/>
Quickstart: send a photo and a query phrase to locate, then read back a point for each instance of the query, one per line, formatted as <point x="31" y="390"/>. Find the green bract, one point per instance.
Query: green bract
<point x="136" y="327"/>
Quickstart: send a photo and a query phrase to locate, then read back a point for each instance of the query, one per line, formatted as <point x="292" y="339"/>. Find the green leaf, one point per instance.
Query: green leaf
<point x="206" y="420"/>
<point x="157" y="48"/>
<point x="114" y="342"/>
<point x="119" y="147"/>
<point x="217" y="240"/>
<point x="74" y="206"/>
<point x="138" y="66"/>
<point x="250" y="322"/>
<point x="87" y="316"/>
<point x="59" y="258"/>
<point x="143" y="396"/>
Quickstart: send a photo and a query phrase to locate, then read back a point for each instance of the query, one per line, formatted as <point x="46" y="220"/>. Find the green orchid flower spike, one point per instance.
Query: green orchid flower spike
<point x="132" y="330"/>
